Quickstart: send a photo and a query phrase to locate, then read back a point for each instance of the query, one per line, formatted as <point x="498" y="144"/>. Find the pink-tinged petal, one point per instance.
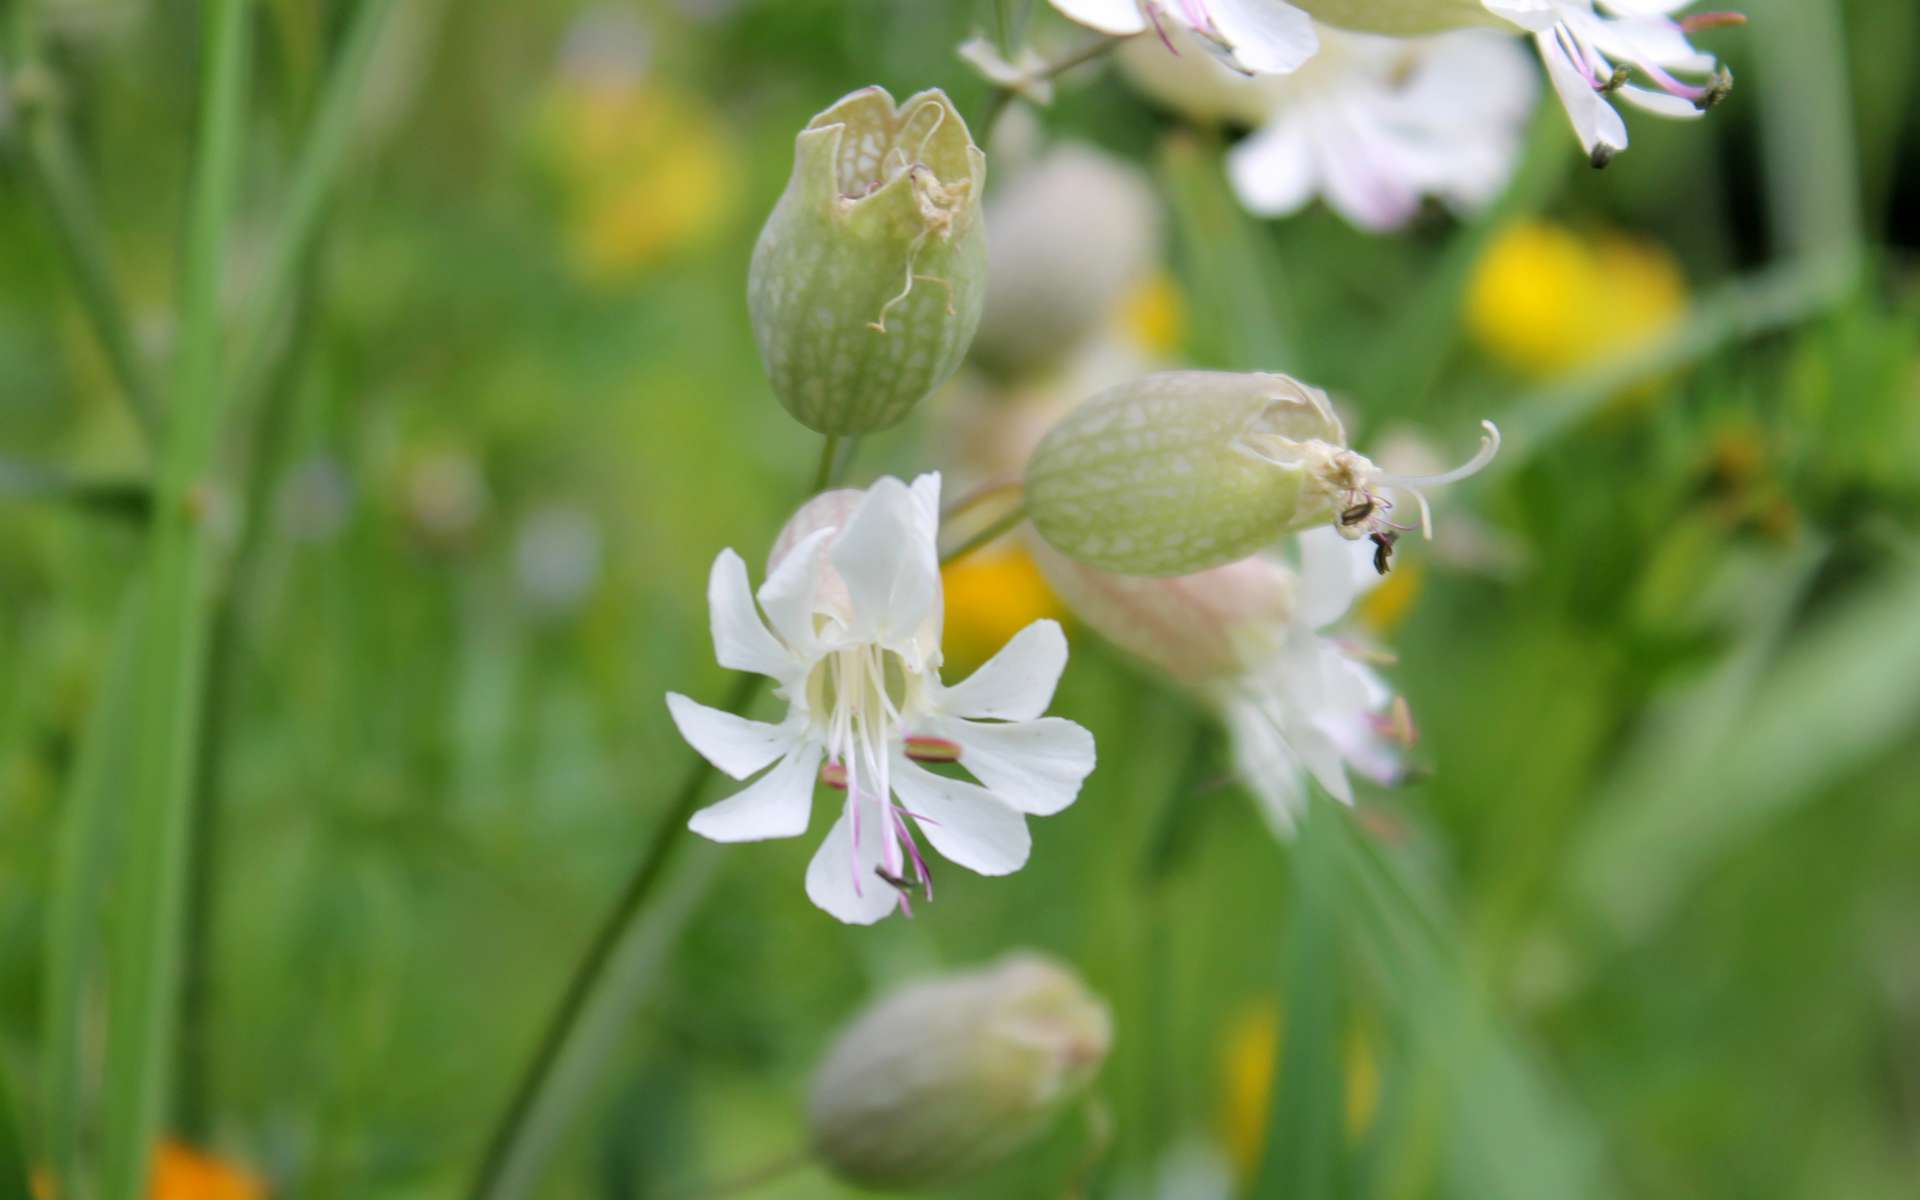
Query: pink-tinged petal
<point x="965" y="822"/>
<point x="736" y="746"/>
<point x="791" y="593"/>
<point x="1017" y="683"/>
<point x="889" y="564"/>
<point x="776" y="805"/>
<point x="740" y="639"/>
<point x="841" y="881"/>
<point x="1273" y="170"/>
<point x="1119" y="17"/>
<point x="1035" y="766"/>
<point x="1677" y="108"/>
<point x="1268" y="37"/>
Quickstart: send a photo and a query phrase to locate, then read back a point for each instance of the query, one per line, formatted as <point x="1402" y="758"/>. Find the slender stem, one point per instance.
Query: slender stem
<point x="829" y="453"/>
<point x="315" y="177"/>
<point x="505" y="1163"/>
<point x="758" y="1177"/>
<point x="54" y="171"/>
<point x="997" y="529"/>
<point x="142" y="1031"/>
<point x="1003" y="96"/>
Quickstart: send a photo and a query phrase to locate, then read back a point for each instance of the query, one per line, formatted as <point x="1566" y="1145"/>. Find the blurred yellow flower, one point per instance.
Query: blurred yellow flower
<point x="1153" y="315"/>
<point x="1253" y="1041"/>
<point x="1545" y="298"/>
<point x="183" y="1174"/>
<point x="644" y="170"/>
<point x="1382" y="609"/>
<point x="991" y="595"/>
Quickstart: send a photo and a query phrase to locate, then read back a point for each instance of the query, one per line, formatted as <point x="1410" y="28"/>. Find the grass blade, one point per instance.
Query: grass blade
<point x="145" y="998"/>
<point x="99" y="779"/>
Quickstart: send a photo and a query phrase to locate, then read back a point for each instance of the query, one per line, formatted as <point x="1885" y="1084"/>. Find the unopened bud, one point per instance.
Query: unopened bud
<point x="947" y="1078"/>
<point x="1186" y="470"/>
<point x="868" y="280"/>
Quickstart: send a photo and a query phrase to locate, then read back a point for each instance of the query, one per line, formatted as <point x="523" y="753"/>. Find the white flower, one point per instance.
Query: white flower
<point x="1304" y="703"/>
<point x="1263" y="36"/>
<point x="1371" y="124"/>
<point x="1593" y="50"/>
<point x="851" y="637"/>
<point x="1250" y="638"/>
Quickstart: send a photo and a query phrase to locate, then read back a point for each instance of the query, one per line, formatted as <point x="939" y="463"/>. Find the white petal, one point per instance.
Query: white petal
<point x="1528" y="14"/>
<point x="1121" y="17"/>
<point x="1267" y="36"/>
<point x="1334" y="572"/>
<point x="841" y="881"/>
<point x="1035" y="766"/>
<point x="1017" y="683"/>
<point x="1321" y="754"/>
<point x="735" y="745"/>
<point x="889" y="563"/>
<point x="965" y="822"/>
<point x="1663" y="104"/>
<point x="740" y="639"/>
<point x="1600" y="128"/>
<point x="776" y="805"/>
<point x="1273" y="171"/>
<point x="1265" y="763"/>
<point x="791" y="593"/>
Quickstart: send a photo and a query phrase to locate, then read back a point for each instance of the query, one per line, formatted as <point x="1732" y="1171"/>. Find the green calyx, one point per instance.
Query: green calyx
<point x="867" y="281"/>
<point x="1186" y="470"/>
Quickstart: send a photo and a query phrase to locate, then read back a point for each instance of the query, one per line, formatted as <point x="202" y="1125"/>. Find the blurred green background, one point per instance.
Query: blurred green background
<point x="1647" y="925"/>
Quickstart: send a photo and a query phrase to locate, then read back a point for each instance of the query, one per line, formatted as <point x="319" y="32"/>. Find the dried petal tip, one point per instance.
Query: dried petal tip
<point x="947" y="1078"/>
<point x="868" y="279"/>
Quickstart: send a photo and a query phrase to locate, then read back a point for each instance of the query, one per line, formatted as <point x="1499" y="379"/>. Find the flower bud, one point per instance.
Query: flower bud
<point x="868" y="280"/>
<point x="947" y="1078"/>
<point x="1185" y="470"/>
<point x="1072" y="234"/>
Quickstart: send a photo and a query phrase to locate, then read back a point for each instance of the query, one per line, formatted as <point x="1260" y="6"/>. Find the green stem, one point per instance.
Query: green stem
<point x="315" y="178"/>
<point x="829" y="453"/>
<point x="142" y="1030"/>
<point x="997" y="529"/>
<point x="515" y="1155"/>
<point x="54" y="171"/>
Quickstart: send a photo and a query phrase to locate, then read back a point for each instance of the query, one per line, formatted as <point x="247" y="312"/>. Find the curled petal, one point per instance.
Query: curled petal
<point x="888" y="561"/>
<point x="777" y="805"/>
<point x="740" y="639"/>
<point x="965" y="822"/>
<point x="791" y="593"/>
<point x="1017" y="683"/>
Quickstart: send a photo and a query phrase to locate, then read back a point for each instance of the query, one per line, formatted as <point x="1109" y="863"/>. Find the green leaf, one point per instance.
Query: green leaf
<point x="81" y="874"/>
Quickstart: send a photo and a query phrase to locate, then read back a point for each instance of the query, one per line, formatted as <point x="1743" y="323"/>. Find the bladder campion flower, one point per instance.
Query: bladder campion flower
<point x="1252" y="35"/>
<point x="1593" y="51"/>
<point x="944" y="1079"/>
<point x="868" y="279"/>
<point x="1250" y="638"/>
<point x="851" y="636"/>
<point x="1371" y="125"/>
<point x="1184" y="470"/>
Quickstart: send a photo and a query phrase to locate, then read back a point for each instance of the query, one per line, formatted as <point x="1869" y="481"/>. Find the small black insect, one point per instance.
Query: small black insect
<point x="903" y="885"/>
<point x="1383" y="550"/>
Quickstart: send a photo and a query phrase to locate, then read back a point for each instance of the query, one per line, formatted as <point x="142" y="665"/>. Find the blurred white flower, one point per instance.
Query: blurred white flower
<point x="1593" y="50"/>
<point x="1372" y="124"/>
<point x="1251" y="639"/>
<point x="1307" y="703"/>
<point x="1253" y="35"/>
<point x="556" y="558"/>
<point x="851" y="636"/>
